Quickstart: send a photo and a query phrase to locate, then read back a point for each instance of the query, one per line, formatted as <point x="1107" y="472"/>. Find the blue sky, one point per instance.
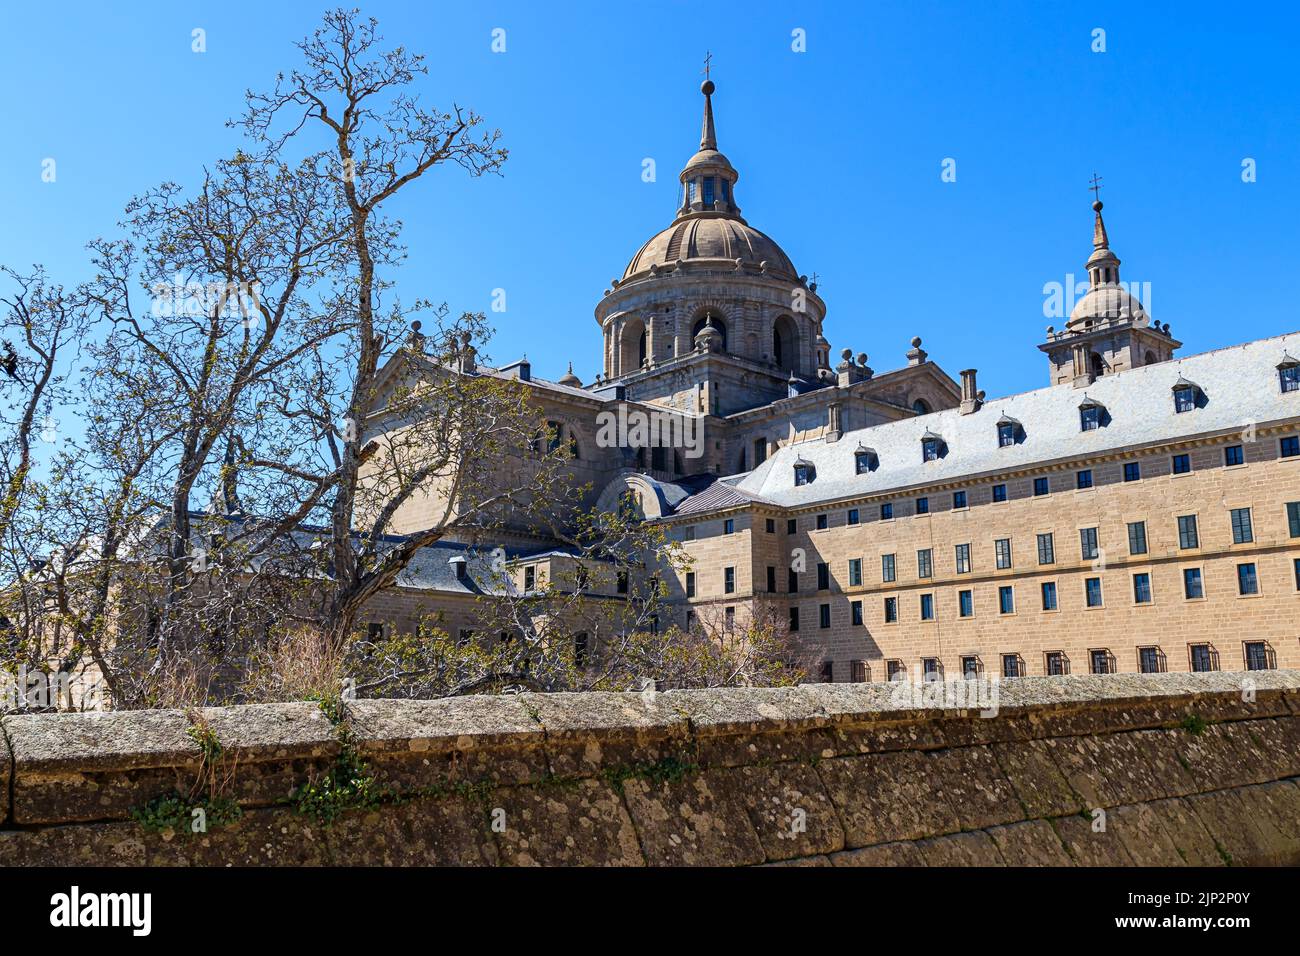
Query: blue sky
<point x="839" y="149"/>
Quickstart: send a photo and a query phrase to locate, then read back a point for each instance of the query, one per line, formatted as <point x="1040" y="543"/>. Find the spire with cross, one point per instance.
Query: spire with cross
<point x="707" y="57"/>
<point x="1095" y="188"/>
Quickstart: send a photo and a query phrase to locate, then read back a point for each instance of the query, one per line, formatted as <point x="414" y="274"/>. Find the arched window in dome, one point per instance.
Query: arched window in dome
<point x="631" y="345"/>
<point x="708" y="192"/>
<point x="640" y="349"/>
<point x="783" y="343"/>
<point x="718" y="324"/>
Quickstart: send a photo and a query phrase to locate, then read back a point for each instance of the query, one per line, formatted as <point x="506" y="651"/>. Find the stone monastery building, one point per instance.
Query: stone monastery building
<point x="1140" y="513"/>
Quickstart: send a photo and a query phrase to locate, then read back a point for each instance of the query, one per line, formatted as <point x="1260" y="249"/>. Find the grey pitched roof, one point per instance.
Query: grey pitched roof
<point x="709" y="493"/>
<point x="1240" y="385"/>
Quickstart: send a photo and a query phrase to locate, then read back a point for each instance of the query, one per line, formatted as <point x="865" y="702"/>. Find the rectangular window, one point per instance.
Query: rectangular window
<point x="930" y="669"/>
<point x="530" y="578"/>
<point x="729" y="526"/>
<point x="823" y="576"/>
<point x="927" y="607"/>
<point x="1289" y="447"/>
<point x="924" y="564"/>
<point x="708" y="192"/>
<point x="1192" y="587"/>
<point x="894" y="670"/>
<point x="923" y="506"/>
<point x="1132" y="471"/>
<point x="1088" y="543"/>
<point x="855" y="572"/>
<point x="770" y="526"/>
<point x="1010" y="665"/>
<point x="1142" y="588"/>
<point x="1293" y="516"/>
<point x="970" y="668"/>
<point x="853" y="516"/>
<point x="792" y="581"/>
<point x="1049" y="595"/>
<point x="728" y="580"/>
<point x="1241" y="529"/>
<point x="1055" y="664"/>
<point x="622" y="582"/>
<point x="771" y="579"/>
<point x="1258" y="657"/>
<point x="963" y="559"/>
<point x="965" y="604"/>
<point x="823" y="522"/>
<point x="794" y="619"/>
<point x="1289" y="376"/>
<point x="891" y="610"/>
<point x="858" y="671"/>
<point x="1090" y="418"/>
<point x="688" y="533"/>
<point x="1184" y="399"/>
<point x="1092" y="592"/>
<point x="1187" y="537"/>
<point x="1233" y="455"/>
<point x="728" y="621"/>
<point x="791" y="525"/>
<point x="887" y="569"/>
<point x="1006" y="599"/>
<point x="1202" y="658"/>
<point x="1046" y="549"/>
<point x="1247" y="580"/>
<point x="1295" y="567"/>
<point x="824" y="615"/>
<point x="959" y="499"/>
<point x="1083" y="479"/>
<point x="855" y="609"/>
<point x="1099" y="661"/>
<point x="1041" y="486"/>
<point x="886" y="510"/>
<point x="828" y="672"/>
<point x="1137" y="537"/>
<point x="690" y="584"/>
<point x="1006" y="435"/>
<point x="1002" y="553"/>
<point x="999" y="492"/>
<point x="1150" y="660"/>
<point x="1182" y="464"/>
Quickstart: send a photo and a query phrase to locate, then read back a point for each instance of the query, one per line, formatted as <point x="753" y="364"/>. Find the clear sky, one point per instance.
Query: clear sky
<point x="840" y="151"/>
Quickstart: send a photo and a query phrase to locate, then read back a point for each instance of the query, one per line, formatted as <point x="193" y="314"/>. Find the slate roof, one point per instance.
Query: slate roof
<point x="1239" y="383"/>
<point x="706" y="493"/>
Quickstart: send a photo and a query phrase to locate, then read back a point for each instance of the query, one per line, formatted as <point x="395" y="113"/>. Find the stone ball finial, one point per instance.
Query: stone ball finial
<point x="847" y="355"/>
<point x="916" y="341"/>
<point x="979" y="396"/>
<point x="862" y="359"/>
<point x="707" y="87"/>
<point x="415" y="326"/>
<point x="1051" y="330"/>
<point x="1096" y="206"/>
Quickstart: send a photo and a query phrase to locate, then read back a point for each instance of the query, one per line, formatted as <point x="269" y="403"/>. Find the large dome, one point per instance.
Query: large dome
<point x="710" y="237"/>
<point x="1107" y="302"/>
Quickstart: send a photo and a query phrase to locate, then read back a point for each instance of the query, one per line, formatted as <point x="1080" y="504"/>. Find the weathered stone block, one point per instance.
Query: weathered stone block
<point x="739" y="726"/>
<point x="886" y="797"/>
<point x="6" y="767"/>
<point x="1144" y="836"/>
<point x="698" y="819"/>
<point x="788" y="807"/>
<point x="269" y="750"/>
<point x="80" y="845"/>
<point x="976" y="787"/>
<point x="261" y="837"/>
<point x="588" y="733"/>
<point x="431" y="831"/>
<point x="1191" y="840"/>
<point x="1089" y="846"/>
<point x="97" y="766"/>
<point x="1032" y="843"/>
<point x="903" y="853"/>
<point x="1036" y="780"/>
<point x="960" y="849"/>
<point x="583" y="823"/>
<point x="417" y="744"/>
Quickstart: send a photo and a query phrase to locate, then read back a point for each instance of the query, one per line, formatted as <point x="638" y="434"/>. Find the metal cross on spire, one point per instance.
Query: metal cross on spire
<point x="707" y="57"/>
<point x="1096" y="185"/>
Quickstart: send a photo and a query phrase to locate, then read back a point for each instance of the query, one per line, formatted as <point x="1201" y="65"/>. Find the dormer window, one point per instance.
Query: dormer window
<point x="1288" y="373"/>
<point x="865" y="460"/>
<point x="1090" y="414"/>
<point x="803" y="472"/>
<point x="1185" y="395"/>
<point x="931" y="447"/>
<point x="1008" y="431"/>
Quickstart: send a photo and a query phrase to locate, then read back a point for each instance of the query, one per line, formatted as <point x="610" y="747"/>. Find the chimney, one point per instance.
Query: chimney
<point x="1082" y="368"/>
<point x="970" y="397"/>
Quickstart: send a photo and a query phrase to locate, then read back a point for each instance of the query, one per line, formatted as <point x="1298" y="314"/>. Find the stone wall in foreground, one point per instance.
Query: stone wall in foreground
<point x="1169" y="769"/>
